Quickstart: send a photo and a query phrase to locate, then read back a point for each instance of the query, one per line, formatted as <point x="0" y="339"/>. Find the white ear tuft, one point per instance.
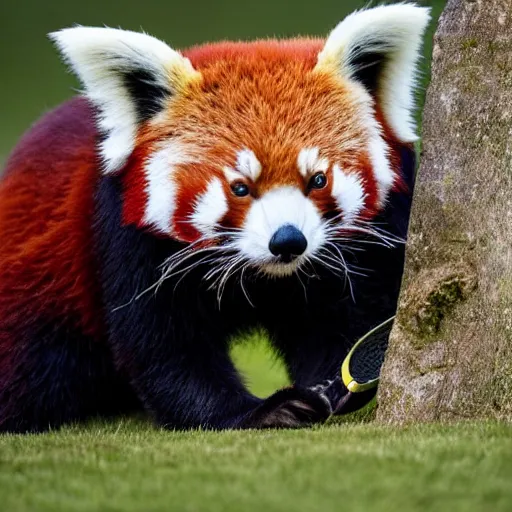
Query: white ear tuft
<point x="127" y="75"/>
<point x="380" y="48"/>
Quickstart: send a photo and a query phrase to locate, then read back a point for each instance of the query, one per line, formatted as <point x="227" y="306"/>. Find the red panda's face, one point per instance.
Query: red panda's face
<point x="267" y="156"/>
<point x="270" y="151"/>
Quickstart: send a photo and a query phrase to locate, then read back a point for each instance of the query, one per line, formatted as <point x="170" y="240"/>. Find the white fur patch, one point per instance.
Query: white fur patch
<point x="395" y="31"/>
<point x="348" y="191"/>
<point x="248" y="164"/>
<point x="232" y="175"/>
<point x="309" y="162"/>
<point x="279" y="206"/>
<point x="377" y="148"/>
<point x="160" y="185"/>
<point x="379" y="157"/>
<point x="101" y="57"/>
<point x="210" y="207"/>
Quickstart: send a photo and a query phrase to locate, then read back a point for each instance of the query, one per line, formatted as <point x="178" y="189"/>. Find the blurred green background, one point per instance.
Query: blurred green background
<point x="33" y="80"/>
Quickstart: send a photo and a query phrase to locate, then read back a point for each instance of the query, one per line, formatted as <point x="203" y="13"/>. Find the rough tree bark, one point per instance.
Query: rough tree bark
<point x="450" y="353"/>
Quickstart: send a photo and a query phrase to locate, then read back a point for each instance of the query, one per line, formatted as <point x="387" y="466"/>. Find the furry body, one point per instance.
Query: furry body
<point x="80" y="243"/>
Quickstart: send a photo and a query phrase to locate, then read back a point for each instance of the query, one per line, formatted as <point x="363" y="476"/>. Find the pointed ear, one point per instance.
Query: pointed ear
<point x="380" y="48"/>
<point x="129" y="76"/>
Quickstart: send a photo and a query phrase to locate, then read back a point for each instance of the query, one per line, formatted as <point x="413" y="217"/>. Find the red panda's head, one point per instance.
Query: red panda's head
<point x="271" y="148"/>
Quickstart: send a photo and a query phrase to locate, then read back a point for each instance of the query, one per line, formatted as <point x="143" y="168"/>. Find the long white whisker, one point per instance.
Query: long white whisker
<point x="307" y="261"/>
<point x="230" y="270"/>
<point x="334" y="269"/>
<point x="370" y="228"/>
<point x="223" y="262"/>
<point x="242" y="285"/>
<point x="302" y="284"/>
<point x="168" y="274"/>
<point x="343" y="272"/>
<point x="357" y="242"/>
<point x="187" y="270"/>
<point x="222" y="265"/>
<point x="352" y="269"/>
<point x="186" y="256"/>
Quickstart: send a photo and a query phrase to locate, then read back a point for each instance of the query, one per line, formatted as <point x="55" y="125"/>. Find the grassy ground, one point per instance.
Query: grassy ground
<point x="129" y="465"/>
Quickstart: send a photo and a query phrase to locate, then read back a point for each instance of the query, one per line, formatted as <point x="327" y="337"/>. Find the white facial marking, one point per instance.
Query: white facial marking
<point x="349" y="193"/>
<point x="160" y="186"/>
<point x="309" y="162"/>
<point x="280" y="206"/>
<point x="232" y="175"/>
<point x="248" y="164"/>
<point x="210" y="207"/>
<point x="377" y="148"/>
<point x="379" y="156"/>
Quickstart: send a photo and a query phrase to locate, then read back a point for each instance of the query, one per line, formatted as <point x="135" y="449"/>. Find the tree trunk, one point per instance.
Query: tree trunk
<point x="450" y="352"/>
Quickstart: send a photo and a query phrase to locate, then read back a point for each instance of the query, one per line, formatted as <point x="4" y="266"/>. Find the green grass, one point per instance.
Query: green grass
<point x="262" y="370"/>
<point x="128" y="465"/>
<point x="131" y="466"/>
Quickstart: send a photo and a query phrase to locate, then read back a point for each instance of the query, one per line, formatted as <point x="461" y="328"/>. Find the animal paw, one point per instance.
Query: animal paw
<point x="332" y="390"/>
<point x="341" y="399"/>
<point x="292" y="407"/>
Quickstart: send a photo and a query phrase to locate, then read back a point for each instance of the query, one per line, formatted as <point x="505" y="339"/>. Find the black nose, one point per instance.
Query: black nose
<point x="287" y="242"/>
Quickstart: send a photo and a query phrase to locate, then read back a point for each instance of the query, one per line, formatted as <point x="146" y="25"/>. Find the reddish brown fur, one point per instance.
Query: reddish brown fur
<point x="46" y="207"/>
<point x="134" y="186"/>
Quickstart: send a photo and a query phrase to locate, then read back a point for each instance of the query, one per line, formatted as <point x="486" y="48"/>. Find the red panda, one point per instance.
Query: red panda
<point x="188" y="196"/>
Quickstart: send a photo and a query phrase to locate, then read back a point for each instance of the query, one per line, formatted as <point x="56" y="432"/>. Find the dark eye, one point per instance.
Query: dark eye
<point x="240" y="189"/>
<point x="319" y="180"/>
